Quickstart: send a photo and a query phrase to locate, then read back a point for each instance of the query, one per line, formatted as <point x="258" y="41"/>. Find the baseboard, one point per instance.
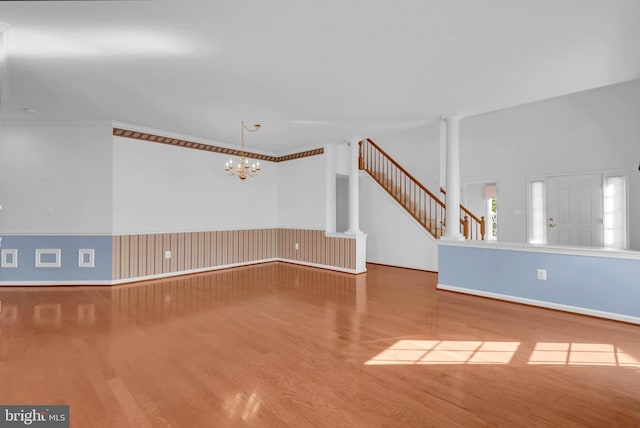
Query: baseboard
<point x="402" y="267"/>
<point x="542" y="304"/>
<point x="320" y="266"/>
<point x="168" y="274"/>
<point x="190" y="271"/>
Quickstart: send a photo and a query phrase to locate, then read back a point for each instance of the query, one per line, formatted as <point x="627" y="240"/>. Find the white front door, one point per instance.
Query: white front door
<point x="574" y="210"/>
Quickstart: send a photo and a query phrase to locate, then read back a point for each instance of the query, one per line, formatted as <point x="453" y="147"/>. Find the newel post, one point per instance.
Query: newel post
<point x="482" y="227"/>
<point x="465" y="227"/>
<point x="360" y="160"/>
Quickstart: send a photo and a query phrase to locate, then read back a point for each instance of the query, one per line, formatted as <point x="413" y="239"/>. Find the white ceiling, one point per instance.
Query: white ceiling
<point x="310" y="71"/>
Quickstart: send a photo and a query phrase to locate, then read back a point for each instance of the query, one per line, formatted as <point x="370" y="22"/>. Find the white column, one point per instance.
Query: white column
<point x="443" y="155"/>
<point x="354" y="188"/>
<point x="452" y="201"/>
<point x="330" y="188"/>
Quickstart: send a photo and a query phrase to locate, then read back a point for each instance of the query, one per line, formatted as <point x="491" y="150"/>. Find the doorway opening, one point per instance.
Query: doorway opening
<point x="587" y="209"/>
<point x="482" y="200"/>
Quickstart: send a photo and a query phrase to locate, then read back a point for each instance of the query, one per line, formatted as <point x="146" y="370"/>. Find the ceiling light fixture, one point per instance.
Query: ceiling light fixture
<point x="243" y="169"/>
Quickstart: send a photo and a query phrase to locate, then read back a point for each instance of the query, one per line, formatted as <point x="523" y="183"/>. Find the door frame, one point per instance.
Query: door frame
<point x="464" y="198"/>
<point x="543" y="178"/>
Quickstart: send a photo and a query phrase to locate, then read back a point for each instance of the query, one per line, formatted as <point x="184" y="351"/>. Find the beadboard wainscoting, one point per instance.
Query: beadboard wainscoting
<point x="145" y="256"/>
<point x="163" y="254"/>
<point x="314" y="248"/>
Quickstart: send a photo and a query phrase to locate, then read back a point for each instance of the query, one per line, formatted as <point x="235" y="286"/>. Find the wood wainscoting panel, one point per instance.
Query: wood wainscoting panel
<point x="314" y="247"/>
<point x="143" y="255"/>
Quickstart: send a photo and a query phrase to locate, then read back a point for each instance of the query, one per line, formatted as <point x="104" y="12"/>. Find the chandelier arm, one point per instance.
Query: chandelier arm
<point x="244" y="169"/>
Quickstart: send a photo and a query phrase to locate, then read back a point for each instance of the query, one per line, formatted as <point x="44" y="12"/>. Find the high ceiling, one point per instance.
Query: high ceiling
<point x="310" y="71"/>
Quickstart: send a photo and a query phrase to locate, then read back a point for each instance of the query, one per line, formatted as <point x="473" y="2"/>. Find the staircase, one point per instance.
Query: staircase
<point x="425" y="207"/>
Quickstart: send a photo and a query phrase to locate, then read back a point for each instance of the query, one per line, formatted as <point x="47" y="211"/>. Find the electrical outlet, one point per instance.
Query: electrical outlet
<point x="167" y="254"/>
<point x="297" y="246"/>
<point x="542" y="274"/>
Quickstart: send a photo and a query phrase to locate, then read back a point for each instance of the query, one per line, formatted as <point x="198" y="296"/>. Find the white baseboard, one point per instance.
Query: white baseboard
<point x="542" y="304"/>
<point x="190" y="271"/>
<point x="316" y="265"/>
<point x="168" y="274"/>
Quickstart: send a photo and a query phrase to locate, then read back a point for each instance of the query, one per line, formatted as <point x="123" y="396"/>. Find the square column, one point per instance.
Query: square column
<point x="354" y="187"/>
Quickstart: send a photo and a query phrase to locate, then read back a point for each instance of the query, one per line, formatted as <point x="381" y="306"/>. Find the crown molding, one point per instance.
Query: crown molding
<point x="180" y="142"/>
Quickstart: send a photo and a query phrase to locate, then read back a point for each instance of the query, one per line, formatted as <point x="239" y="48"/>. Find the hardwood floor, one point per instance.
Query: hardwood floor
<point x="287" y="346"/>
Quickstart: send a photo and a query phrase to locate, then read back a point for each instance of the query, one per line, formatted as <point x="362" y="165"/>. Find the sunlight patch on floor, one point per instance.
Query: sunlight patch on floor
<point x="421" y="352"/>
<point x="445" y="352"/>
<point x="581" y="354"/>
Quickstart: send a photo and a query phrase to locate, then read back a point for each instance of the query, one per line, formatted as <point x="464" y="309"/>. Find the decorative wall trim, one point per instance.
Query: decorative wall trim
<point x="56" y="252"/>
<point x="67" y="270"/>
<point x="86" y="257"/>
<point x="120" y="132"/>
<point x="9" y="258"/>
<point x="542" y="304"/>
<point x="299" y="155"/>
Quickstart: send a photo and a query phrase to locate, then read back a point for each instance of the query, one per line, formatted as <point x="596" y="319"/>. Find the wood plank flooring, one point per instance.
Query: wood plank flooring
<point x="278" y="345"/>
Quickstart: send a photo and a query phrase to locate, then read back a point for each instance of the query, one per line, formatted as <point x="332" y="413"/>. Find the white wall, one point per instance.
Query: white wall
<point x="301" y="193"/>
<point x="55" y="179"/>
<point x="394" y="237"/>
<point x="588" y="131"/>
<point x="417" y="151"/>
<point x="163" y="188"/>
<point x="342" y="203"/>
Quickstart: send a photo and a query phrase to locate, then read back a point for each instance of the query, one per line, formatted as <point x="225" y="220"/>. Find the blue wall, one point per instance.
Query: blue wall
<point x="69" y="270"/>
<point x="595" y="283"/>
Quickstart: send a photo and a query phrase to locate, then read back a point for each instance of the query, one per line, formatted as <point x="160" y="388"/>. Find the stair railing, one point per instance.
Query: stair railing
<point x="423" y="205"/>
<point x="471" y="227"/>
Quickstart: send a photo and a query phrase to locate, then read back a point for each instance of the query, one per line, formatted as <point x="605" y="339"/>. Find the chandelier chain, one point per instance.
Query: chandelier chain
<point x="243" y="169"/>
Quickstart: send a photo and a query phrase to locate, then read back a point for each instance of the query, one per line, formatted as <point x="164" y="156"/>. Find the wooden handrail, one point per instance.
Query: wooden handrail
<point x="415" y="198"/>
<point x="404" y="171"/>
<point x="426" y="208"/>
<point x="463" y="208"/>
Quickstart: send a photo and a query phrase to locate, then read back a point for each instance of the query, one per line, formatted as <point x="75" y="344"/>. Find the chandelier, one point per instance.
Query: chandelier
<point x="243" y="169"/>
